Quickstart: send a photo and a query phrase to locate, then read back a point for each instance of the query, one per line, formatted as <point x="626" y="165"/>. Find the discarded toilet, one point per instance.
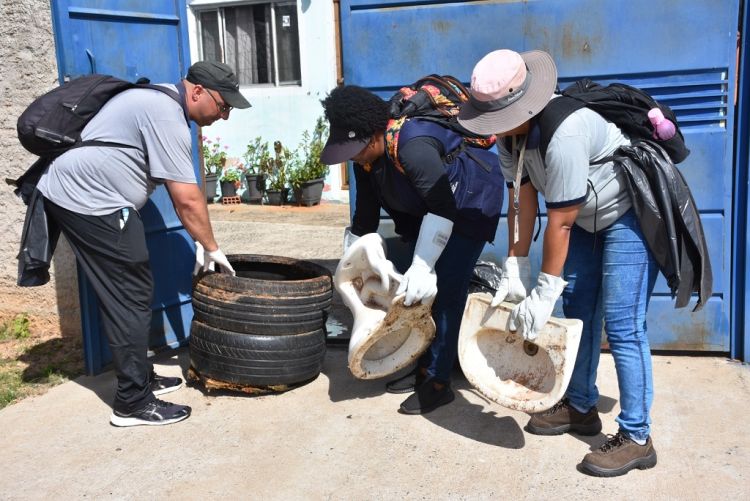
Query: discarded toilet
<point x="525" y="376"/>
<point x="387" y="336"/>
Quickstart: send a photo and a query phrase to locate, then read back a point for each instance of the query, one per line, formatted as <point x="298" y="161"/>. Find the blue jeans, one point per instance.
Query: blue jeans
<point x="611" y="276"/>
<point x="454" y="270"/>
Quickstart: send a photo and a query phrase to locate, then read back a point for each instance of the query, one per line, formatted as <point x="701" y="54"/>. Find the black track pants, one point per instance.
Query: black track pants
<point x="115" y="261"/>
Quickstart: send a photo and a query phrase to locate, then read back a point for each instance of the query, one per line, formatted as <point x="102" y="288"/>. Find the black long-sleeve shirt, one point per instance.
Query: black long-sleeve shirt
<point x="407" y="197"/>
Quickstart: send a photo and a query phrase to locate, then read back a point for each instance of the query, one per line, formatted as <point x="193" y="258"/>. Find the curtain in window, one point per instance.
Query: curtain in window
<point x="247" y="42"/>
<point x="210" y="36"/>
<point x="287" y="43"/>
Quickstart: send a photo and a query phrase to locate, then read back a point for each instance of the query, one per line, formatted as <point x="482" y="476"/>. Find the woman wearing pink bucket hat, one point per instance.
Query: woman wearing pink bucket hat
<point x="594" y="253"/>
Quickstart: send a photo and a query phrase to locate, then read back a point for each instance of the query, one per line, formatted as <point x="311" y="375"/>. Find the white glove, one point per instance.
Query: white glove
<point x="420" y="281"/>
<point x="205" y="260"/>
<point x="199" y="258"/>
<point x="516" y="281"/>
<point x="349" y="238"/>
<point x="529" y="317"/>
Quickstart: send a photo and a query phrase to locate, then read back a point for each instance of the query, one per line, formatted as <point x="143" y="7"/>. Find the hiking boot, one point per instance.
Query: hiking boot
<point x="163" y="384"/>
<point x="426" y="399"/>
<point x="153" y="413"/>
<point x="562" y="418"/>
<point x="407" y="383"/>
<point x="617" y="456"/>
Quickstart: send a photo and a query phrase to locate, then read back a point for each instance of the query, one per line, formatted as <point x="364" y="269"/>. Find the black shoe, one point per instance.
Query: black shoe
<point x="427" y="399"/>
<point x="407" y="383"/>
<point x="153" y="413"/>
<point x="163" y="384"/>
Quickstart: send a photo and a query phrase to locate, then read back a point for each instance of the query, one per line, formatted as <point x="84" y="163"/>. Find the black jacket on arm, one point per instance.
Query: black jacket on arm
<point x="669" y="220"/>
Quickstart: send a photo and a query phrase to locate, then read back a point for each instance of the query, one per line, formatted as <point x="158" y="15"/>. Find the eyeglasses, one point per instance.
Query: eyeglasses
<point x="223" y="107"/>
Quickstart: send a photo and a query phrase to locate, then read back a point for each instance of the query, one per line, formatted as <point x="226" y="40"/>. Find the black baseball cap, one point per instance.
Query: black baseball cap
<point x="219" y="77"/>
<point x="342" y="145"/>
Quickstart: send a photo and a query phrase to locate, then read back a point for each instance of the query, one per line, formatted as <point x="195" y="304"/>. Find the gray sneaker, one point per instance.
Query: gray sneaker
<point x="154" y="413"/>
<point x="617" y="456"/>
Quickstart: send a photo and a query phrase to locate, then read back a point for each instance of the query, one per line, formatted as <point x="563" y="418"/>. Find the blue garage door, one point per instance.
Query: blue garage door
<point x="683" y="53"/>
<point x="132" y="39"/>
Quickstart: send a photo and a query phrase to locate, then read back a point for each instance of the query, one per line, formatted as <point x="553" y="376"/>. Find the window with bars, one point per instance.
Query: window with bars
<point x="259" y="40"/>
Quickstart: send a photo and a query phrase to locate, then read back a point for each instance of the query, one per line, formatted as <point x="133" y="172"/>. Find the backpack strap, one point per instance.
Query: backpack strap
<point x="174" y="95"/>
<point x="33" y="173"/>
<point x="552" y="116"/>
<point x="451" y="140"/>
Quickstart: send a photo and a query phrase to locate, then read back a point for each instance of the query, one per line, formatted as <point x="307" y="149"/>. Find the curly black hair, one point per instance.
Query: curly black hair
<point x="357" y="109"/>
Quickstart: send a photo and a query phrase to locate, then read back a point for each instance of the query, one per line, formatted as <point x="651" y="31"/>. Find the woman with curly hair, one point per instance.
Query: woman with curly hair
<point x="446" y="208"/>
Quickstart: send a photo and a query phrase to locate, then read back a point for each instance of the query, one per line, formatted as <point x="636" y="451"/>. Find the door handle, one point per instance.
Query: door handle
<point x="92" y="60"/>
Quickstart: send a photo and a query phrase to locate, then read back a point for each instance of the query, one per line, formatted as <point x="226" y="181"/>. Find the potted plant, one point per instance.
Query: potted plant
<point x="230" y="181"/>
<point x="214" y="160"/>
<point x="308" y="178"/>
<point x="257" y="161"/>
<point x="278" y="191"/>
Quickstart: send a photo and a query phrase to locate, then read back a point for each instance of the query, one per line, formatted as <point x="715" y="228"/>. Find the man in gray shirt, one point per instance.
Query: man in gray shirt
<point x="94" y="194"/>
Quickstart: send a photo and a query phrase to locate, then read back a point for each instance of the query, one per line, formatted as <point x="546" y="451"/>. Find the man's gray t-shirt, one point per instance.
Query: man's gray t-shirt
<point x="97" y="180"/>
<point x="564" y="175"/>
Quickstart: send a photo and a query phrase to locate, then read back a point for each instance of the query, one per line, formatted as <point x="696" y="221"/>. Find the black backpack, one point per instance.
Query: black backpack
<point x="625" y="106"/>
<point x="53" y="122"/>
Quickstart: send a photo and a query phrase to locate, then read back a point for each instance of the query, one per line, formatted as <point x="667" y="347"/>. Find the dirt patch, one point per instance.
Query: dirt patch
<point x="34" y="357"/>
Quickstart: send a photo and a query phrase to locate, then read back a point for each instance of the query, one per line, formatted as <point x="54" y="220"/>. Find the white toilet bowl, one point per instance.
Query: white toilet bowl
<point x="387" y="336"/>
<point x="525" y="376"/>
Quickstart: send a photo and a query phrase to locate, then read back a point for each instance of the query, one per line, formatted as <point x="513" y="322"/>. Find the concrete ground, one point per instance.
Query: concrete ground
<point x="340" y="438"/>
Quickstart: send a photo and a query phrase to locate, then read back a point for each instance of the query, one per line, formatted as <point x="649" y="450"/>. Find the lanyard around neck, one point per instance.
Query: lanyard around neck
<point x="521" y="149"/>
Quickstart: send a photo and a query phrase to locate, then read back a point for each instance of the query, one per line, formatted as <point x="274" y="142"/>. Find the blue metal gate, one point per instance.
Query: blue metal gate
<point x="683" y="53"/>
<point x="132" y="39"/>
<point x="741" y="249"/>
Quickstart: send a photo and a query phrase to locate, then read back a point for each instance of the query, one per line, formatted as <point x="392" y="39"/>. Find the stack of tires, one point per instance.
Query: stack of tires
<point x="264" y="327"/>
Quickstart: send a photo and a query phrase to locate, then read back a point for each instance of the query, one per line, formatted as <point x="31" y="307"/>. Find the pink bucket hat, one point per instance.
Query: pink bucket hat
<point x="507" y="89"/>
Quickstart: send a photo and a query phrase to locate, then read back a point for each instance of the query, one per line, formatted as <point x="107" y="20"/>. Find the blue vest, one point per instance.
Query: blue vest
<point x="474" y="175"/>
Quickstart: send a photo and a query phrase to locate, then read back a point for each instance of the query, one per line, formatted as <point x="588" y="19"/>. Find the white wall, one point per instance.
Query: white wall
<point x="283" y="113"/>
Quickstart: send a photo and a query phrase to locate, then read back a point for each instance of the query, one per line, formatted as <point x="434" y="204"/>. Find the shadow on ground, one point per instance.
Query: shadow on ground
<point x="62" y="356"/>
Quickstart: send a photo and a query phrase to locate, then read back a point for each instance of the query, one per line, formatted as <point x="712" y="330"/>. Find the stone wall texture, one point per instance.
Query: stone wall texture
<point x="28" y="68"/>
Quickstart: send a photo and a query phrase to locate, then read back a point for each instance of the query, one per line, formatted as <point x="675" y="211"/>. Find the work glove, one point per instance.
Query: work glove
<point x="529" y="316"/>
<point x="207" y="260"/>
<point x="350" y="238"/>
<point x="420" y="281"/>
<point x="378" y="263"/>
<point x="515" y="282"/>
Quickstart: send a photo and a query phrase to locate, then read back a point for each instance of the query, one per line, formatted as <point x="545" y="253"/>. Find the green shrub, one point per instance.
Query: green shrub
<point x="256" y="156"/>
<point x="214" y="155"/>
<point x="230" y="175"/>
<point x="310" y="167"/>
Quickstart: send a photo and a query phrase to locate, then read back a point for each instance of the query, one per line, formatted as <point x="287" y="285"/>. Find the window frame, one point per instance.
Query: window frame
<point x="219" y="7"/>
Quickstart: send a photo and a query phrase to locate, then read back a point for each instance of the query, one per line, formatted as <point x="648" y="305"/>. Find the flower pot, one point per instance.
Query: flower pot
<point x="309" y="193"/>
<point x="228" y="189"/>
<point x="256" y="187"/>
<point x="277" y="197"/>
<point x="211" y="180"/>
